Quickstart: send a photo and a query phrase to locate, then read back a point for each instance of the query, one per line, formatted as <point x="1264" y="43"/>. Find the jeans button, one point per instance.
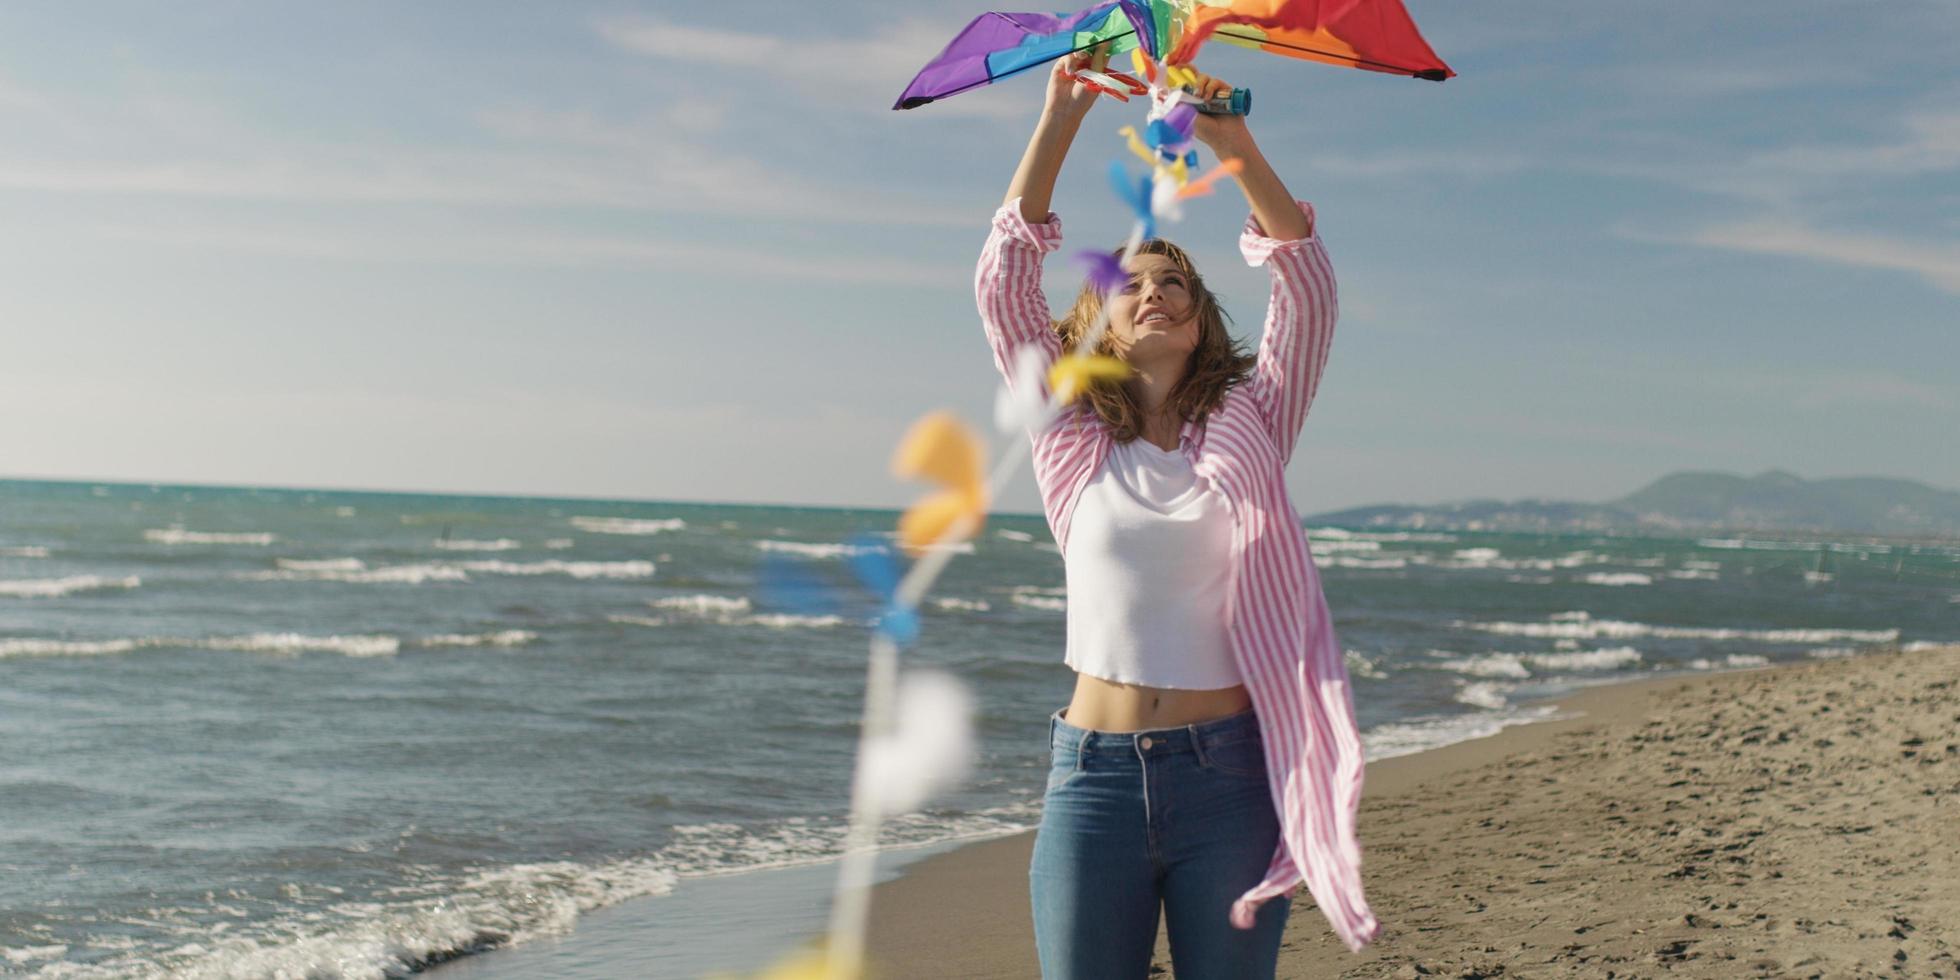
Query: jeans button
<point x="1146" y="742"/>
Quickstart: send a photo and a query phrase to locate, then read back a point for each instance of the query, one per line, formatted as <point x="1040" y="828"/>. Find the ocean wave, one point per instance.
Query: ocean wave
<point x="961" y="605"/>
<point x="1344" y="561"/>
<point x="1581" y="626"/>
<point x="1041" y="602"/>
<point x="1318" y="534"/>
<point x="553" y="566"/>
<point x="66" y="648"/>
<point x="177" y="535"/>
<point x="1694" y="573"/>
<point x="1732" y="660"/>
<point x="737" y="611"/>
<point x="704" y="605"/>
<point x="55" y="588"/>
<point x="1618" y="578"/>
<point x="415" y="926"/>
<point x="627" y="525"/>
<point x="1359" y="665"/>
<point x="355" y="571"/>
<point x="278" y="643"/>
<point x="500" y="638"/>
<point x="1421" y="734"/>
<point x="1021" y="536"/>
<point x="1514" y="665"/>
<point x="1485" y="694"/>
<point x="295" y="643"/>
<point x="808" y="549"/>
<point x="559" y="544"/>
<point x="1343" y="544"/>
<point x="466" y="544"/>
<point x="23" y="551"/>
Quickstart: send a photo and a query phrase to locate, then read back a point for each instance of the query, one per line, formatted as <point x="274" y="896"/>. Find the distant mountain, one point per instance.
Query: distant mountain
<point x="1771" y="501"/>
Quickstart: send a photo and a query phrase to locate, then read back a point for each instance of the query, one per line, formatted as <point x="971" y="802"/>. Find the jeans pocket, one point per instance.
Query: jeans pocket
<point x="1061" y="770"/>
<point x="1245" y="758"/>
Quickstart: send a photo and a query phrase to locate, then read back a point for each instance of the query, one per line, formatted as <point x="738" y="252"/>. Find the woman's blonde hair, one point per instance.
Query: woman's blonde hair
<point x="1217" y="363"/>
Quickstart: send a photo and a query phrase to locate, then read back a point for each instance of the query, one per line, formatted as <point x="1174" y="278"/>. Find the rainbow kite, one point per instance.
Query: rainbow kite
<point x="1376" y="35"/>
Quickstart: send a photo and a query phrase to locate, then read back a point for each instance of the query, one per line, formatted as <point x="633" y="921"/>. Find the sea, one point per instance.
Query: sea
<point x="297" y="733"/>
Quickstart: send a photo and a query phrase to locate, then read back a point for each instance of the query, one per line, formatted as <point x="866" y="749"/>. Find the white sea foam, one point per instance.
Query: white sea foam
<point x="23" y="551"/>
<point x="1922" y="646"/>
<point x="1021" y="536"/>
<point x="55" y="588"/>
<point x="1036" y="597"/>
<point x="1619" y="578"/>
<point x="1581" y="626"/>
<point x="961" y="605"/>
<point x="703" y="605"/>
<point x="322" y="564"/>
<point x="28" y="954"/>
<point x="466" y="544"/>
<point x="177" y="535"/>
<point x="784" y="621"/>
<point x="1702" y="566"/>
<point x="1344" y="561"/>
<point x="1514" y="665"/>
<point x="553" y="566"/>
<point x="295" y="643"/>
<point x="500" y="638"/>
<point x="1484" y="694"/>
<point x="1421" y="734"/>
<point x="827" y="549"/>
<point x="1832" y="653"/>
<point x="1344" y="544"/>
<point x="1487" y="665"/>
<point x="353" y="570"/>
<point x="736" y="611"/>
<point x="66" y="648"/>
<point x="559" y="544"/>
<point x="1319" y="534"/>
<point x="1694" y="573"/>
<point x="1360" y="665"/>
<point x="627" y="525"/>
<point x="1732" y="660"/>
<point x="1477" y="556"/>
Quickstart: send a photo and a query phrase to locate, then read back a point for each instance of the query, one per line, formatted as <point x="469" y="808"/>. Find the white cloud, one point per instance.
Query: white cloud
<point x="1938" y="264"/>
<point x="868" y="71"/>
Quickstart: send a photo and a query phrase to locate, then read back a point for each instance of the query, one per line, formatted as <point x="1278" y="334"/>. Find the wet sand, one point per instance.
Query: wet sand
<point x="1794" y="821"/>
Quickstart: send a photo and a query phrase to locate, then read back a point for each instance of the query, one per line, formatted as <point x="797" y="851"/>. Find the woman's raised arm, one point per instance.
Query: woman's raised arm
<point x="1066" y="103"/>
<point x="1301" y="312"/>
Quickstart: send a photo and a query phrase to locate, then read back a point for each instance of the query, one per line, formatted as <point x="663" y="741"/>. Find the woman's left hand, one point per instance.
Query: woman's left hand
<point x="1217" y="131"/>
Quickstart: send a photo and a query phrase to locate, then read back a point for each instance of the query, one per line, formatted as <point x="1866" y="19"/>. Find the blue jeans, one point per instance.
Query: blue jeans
<point x="1177" y="817"/>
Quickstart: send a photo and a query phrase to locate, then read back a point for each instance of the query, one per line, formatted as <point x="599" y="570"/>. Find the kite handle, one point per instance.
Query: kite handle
<point x="1237" y="102"/>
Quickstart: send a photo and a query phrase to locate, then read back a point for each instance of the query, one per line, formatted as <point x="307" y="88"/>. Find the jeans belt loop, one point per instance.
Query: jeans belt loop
<point x="1198" y="745"/>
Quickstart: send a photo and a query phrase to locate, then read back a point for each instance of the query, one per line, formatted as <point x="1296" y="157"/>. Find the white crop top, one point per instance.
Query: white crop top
<point x="1149" y="558"/>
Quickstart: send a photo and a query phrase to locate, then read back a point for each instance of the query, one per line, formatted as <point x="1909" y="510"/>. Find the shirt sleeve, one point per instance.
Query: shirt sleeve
<point x="1007" y="286"/>
<point x="1299" y="326"/>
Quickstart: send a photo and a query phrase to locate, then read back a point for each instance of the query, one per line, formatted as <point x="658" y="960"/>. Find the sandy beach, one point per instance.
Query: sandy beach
<point x="1795" y="821"/>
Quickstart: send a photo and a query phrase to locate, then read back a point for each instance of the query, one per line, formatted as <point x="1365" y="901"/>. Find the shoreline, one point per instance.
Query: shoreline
<point x="1668" y="824"/>
<point x="959" y="908"/>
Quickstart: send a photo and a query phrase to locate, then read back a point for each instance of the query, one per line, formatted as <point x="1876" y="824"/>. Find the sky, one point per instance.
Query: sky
<point x="687" y="251"/>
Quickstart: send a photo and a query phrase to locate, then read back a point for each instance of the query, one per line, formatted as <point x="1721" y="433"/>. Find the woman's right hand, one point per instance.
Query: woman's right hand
<point x="1068" y="97"/>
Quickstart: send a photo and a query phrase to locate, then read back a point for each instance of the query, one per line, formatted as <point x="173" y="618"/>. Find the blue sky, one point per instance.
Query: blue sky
<point x="685" y="251"/>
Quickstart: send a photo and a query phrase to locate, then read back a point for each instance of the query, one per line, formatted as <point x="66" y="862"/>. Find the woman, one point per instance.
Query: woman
<point x="1208" y="761"/>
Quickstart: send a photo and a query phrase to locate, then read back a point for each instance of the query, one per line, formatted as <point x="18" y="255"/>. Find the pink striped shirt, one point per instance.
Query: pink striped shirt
<point x="1282" y="636"/>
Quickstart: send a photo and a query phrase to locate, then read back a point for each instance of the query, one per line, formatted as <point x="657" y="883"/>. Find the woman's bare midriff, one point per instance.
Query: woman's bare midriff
<point x="1107" y="706"/>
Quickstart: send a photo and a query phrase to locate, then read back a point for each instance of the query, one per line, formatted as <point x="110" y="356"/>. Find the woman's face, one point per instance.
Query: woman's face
<point x="1154" y="317"/>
